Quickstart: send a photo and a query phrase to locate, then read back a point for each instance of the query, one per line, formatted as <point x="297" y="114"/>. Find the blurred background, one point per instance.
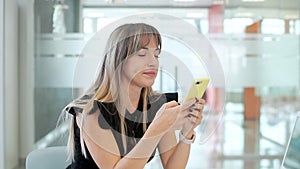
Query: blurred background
<point x="256" y="42"/>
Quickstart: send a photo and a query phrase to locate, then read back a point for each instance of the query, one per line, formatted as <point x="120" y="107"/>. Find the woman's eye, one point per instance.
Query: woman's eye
<point x="142" y="53"/>
<point x="156" y="53"/>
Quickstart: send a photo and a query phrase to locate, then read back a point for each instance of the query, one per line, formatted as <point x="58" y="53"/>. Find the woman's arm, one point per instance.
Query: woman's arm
<point x="135" y="159"/>
<point x="176" y="155"/>
<point x="173" y="154"/>
<point x="103" y="147"/>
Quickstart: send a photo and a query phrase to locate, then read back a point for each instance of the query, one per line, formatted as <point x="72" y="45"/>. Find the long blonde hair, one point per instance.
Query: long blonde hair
<point x="122" y="43"/>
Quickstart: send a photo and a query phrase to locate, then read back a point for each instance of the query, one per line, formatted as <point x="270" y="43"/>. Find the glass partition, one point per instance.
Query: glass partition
<point x="58" y="44"/>
<point x="292" y="159"/>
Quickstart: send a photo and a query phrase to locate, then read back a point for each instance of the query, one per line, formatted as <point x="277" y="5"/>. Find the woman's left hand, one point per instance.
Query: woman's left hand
<point x="194" y="116"/>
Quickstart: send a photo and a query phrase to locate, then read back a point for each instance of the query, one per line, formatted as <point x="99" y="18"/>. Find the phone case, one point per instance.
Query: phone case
<point x="197" y="88"/>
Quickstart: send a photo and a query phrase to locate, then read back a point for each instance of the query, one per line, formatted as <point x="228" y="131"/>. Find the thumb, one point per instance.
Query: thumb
<point x="171" y="104"/>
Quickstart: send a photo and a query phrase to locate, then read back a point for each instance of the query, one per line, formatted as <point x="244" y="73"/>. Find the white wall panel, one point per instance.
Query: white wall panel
<point x="2" y="162"/>
<point x="26" y="76"/>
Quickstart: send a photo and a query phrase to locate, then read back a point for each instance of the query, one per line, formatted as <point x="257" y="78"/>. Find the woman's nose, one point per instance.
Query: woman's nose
<point x="153" y="61"/>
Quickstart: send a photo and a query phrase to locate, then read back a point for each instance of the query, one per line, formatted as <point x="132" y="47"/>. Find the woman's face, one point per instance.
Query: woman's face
<point x="141" y="68"/>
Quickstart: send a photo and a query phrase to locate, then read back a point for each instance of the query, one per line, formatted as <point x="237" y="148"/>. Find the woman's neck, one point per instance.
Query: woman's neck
<point x="134" y="94"/>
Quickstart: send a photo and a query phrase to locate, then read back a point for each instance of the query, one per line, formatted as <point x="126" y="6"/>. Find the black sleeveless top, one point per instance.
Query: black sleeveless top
<point x="109" y="119"/>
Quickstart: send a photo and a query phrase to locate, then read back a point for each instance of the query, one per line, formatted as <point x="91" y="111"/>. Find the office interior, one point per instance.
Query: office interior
<point x="256" y="43"/>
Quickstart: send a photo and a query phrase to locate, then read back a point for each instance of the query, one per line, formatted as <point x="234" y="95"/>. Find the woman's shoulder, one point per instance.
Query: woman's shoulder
<point x="106" y="112"/>
<point x="105" y="107"/>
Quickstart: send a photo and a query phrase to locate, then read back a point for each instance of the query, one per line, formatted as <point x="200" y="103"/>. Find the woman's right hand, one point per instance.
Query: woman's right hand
<point x="172" y="116"/>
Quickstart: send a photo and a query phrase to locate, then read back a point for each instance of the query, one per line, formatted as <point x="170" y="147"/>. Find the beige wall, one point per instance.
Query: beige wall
<point x="11" y="117"/>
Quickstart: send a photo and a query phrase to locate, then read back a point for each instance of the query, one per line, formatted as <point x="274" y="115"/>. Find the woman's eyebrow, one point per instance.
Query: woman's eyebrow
<point x="148" y="48"/>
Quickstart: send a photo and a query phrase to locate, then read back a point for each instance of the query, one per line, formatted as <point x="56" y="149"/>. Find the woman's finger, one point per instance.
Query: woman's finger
<point x="195" y="111"/>
<point x="192" y="119"/>
<point x="198" y="121"/>
<point x="193" y="114"/>
<point x="188" y="104"/>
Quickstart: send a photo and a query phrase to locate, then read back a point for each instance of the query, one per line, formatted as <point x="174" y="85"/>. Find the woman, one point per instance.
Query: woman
<point x="119" y="122"/>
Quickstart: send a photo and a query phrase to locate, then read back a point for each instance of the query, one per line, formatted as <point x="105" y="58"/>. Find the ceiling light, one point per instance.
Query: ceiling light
<point x="218" y="2"/>
<point x="115" y="1"/>
<point x="243" y="14"/>
<point x="195" y="15"/>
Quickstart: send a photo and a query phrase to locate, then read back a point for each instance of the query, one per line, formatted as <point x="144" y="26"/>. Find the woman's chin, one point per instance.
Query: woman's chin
<point x="148" y="83"/>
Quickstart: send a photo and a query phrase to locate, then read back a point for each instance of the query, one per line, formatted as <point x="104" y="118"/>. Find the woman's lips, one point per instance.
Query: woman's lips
<point x="150" y="73"/>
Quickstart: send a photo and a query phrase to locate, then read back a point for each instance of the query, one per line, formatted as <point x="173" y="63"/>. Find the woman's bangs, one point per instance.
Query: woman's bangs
<point x="142" y="37"/>
<point x="146" y="38"/>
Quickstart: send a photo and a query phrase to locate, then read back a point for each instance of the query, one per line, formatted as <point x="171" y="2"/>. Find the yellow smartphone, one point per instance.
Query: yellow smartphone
<point x="197" y="89"/>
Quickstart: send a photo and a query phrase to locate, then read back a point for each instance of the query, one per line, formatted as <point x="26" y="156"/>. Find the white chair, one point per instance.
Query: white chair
<point x="47" y="158"/>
